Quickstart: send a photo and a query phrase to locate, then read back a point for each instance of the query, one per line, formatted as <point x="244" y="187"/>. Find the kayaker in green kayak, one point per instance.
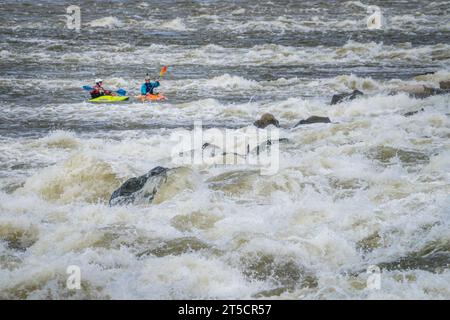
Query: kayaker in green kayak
<point x="98" y="90"/>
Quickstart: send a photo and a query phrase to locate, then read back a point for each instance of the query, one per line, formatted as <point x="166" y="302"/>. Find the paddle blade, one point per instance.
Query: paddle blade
<point x="121" y="92"/>
<point x="87" y="88"/>
<point x="163" y="70"/>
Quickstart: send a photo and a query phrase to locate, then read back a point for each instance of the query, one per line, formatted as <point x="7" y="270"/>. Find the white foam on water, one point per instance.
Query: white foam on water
<point x="266" y="54"/>
<point x="176" y="24"/>
<point x="106" y="22"/>
<point x="333" y="189"/>
<point x="231" y="82"/>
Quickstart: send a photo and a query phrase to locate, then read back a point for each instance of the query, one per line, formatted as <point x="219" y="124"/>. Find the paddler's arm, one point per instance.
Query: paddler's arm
<point x="143" y="90"/>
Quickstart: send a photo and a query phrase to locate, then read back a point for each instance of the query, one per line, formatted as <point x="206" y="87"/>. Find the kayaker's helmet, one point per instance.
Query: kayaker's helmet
<point x="147" y="77"/>
<point x="98" y="80"/>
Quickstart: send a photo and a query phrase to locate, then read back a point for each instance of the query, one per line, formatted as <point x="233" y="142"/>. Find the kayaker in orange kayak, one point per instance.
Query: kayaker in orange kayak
<point x="148" y="87"/>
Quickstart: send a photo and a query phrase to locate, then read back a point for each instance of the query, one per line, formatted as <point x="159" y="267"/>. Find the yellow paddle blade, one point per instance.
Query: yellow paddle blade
<point x="163" y="70"/>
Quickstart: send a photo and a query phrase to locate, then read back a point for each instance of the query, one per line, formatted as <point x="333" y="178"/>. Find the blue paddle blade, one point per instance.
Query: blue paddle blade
<point x="121" y="92"/>
<point x="87" y="88"/>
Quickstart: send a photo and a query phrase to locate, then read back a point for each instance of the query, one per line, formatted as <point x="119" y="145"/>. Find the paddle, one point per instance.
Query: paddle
<point x="163" y="70"/>
<point x="120" y="92"/>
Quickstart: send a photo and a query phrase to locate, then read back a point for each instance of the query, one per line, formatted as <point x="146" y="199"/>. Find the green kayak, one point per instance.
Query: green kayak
<point x="103" y="99"/>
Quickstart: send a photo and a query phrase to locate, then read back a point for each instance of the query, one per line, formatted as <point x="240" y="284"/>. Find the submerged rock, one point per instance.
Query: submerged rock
<point x="428" y="92"/>
<point x="177" y="247"/>
<point x="410" y="89"/>
<point x="434" y="257"/>
<point x="411" y="113"/>
<point x="338" y="98"/>
<point x="445" y="85"/>
<point x="435" y="262"/>
<point x="313" y="119"/>
<point x="273" y="292"/>
<point x="81" y="177"/>
<point x="234" y="183"/>
<point x="266" y="120"/>
<point x="282" y="271"/>
<point x="143" y="188"/>
<point x="194" y="220"/>
<point x="424" y="74"/>
<point x="369" y="243"/>
<point x="386" y="154"/>
<point x="17" y="237"/>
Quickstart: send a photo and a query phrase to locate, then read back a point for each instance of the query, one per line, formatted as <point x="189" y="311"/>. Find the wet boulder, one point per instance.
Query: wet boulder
<point x="341" y="97"/>
<point x="425" y="73"/>
<point x="444" y="85"/>
<point x="428" y="92"/>
<point x="313" y="119"/>
<point x="140" y="189"/>
<point x="420" y="91"/>
<point x="266" y="120"/>
<point x="415" y="89"/>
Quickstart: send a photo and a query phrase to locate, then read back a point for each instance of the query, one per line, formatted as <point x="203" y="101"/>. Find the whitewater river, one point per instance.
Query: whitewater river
<point x="368" y="191"/>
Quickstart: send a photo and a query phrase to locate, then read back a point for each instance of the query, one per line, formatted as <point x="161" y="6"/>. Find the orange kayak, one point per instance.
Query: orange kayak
<point x="151" y="97"/>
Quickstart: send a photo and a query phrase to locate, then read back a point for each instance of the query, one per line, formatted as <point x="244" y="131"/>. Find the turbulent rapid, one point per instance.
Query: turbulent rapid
<point x="370" y="189"/>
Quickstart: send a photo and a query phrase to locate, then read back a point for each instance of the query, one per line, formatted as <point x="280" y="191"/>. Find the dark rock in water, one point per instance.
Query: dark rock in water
<point x="141" y="188"/>
<point x="266" y="145"/>
<point x="424" y="74"/>
<point x="428" y="92"/>
<point x="273" y="292"/>
<point x="436" y="262"/>
<point x="313" y="119"/>
<point x="208" y="150"/>
<point x="434" y="258"/>
<point x="369" y="243"/>
<point x="411" y="113"/>
<point x="207" y="144"/>
<point x="177" y="247"/>
<point x="444" y="85"/>
<point x="283" y="271"/>
<point x="211" y="150"/>
<point x="266" y="120"/>
<point x="420" y="91"/>
<point x="386" y="154"/>
<point x="338" y="98"/>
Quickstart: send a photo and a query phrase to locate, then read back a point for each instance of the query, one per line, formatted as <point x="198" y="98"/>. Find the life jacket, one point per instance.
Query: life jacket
<point x="149" y="88"/>
<point x="99" y="91"/>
